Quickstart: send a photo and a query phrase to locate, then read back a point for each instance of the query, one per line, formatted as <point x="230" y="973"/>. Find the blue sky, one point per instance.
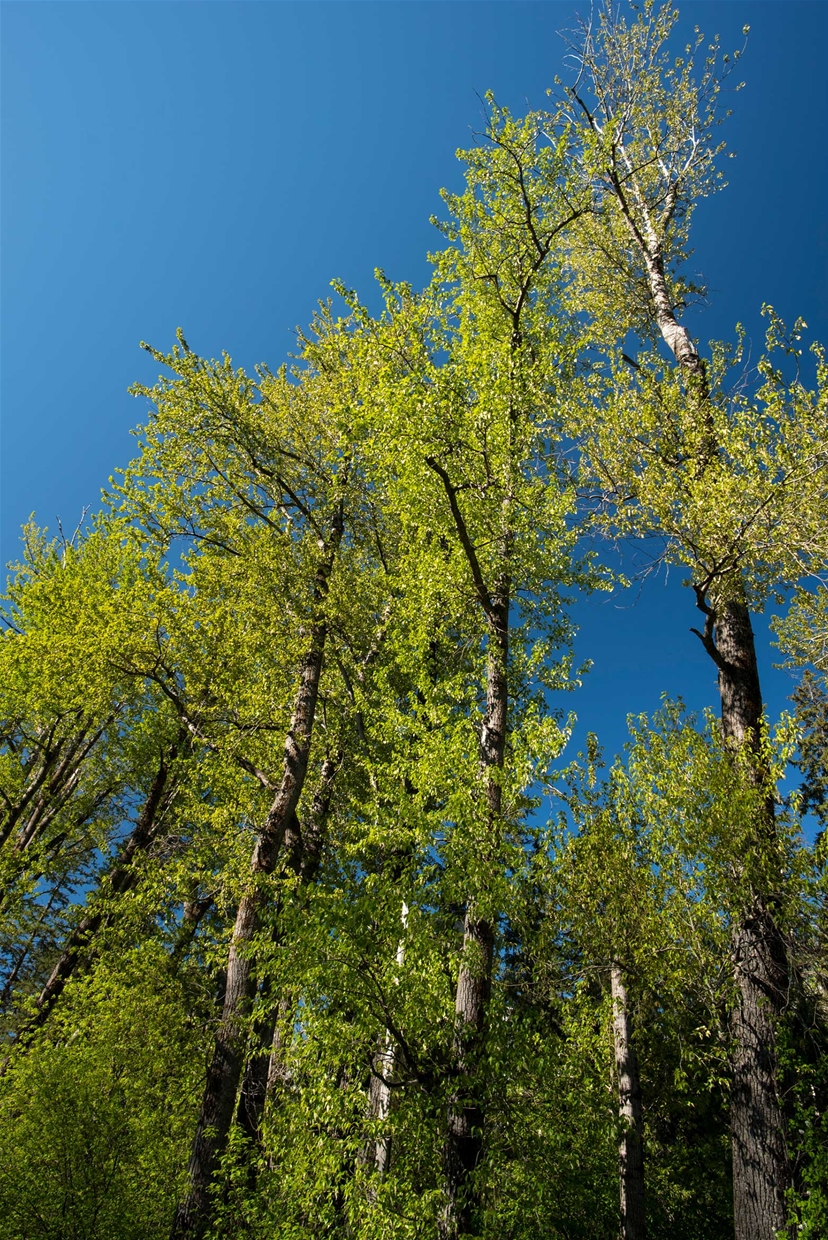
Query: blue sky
<point x="215" y="165"/>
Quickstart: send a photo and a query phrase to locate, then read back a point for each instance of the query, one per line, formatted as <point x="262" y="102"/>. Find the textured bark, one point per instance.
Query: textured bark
<point x="760" y="1160"/>
<point x="675" y="335"/>
<point x="466" y="1114"/>
<point x="760" y="1167"/>
<point x="278" y="1072"/>
<point x="631" y="1147"/>
<point x="739" y="686"/>
<point x="759" y="954"/>
<point x="376" y="1152"/>
<point x="380" y="1105"/>
<point x="224" y="1073"/>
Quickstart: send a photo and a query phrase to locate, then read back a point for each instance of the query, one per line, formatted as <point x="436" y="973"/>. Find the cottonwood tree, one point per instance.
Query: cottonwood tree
<point x="86" y="751"/>
<point x="383" y="998"/>
<point x="732" y="477"/>
<point x="470" y="380"/>
<point x="268" y="485"/>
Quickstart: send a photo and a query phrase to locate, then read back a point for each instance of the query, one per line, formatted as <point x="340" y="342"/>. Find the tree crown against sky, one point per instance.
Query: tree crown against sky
<point x="122" y="246"/>
<point x="299" y="707"/>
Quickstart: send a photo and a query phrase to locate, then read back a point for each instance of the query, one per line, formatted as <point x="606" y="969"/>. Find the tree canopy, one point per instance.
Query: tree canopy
<point x="312" y="924"/>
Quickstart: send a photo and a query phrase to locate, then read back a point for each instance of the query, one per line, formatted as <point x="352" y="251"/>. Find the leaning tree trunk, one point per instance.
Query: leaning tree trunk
<point x="630" y="1147"/>
<point x="224" y="1072"/>
<point x="303" y="847"/>
<point x="760" y="960"/>
<point x="466" y="1115"/>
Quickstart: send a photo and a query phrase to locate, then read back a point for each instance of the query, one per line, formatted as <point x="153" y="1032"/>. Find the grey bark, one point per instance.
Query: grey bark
<point x="759" y="953"/>
<point x="278" y="1072"/>
<point x="631" y="1145"/>
<point x="224" y="1072"/>
<point x="377" y="1151"/>
<point x="760" y="961"/>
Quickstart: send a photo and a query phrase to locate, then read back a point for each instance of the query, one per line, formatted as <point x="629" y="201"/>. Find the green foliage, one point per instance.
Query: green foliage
<point x="95" y="1119"/>
<point x="149" y="674"/>
<point x="811" y="701"/>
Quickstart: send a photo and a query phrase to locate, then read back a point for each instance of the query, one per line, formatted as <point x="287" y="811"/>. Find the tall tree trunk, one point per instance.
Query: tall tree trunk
<point x="760" y="960"/>
<point x="758" y="949"/>
<point x="377" y="1151"/>
<point x="466" y="1115"/>
<point x="303" y="853"/>
<point x="631" y="1147"/>
<point x="224" y="1073"/>
<point x="760" y="1160"/>
<point x="759" y="952"/>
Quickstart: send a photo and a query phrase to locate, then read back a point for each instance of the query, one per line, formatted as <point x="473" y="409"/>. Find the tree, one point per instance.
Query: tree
<point x="266" y="482"/>
<point x="733" y="481"/>
<point x="472" y="391"/>
<point x="84" y="750"/>
<point x="281" y="729"/>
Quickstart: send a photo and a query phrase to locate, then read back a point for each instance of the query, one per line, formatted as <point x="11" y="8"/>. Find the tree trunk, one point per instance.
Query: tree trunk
<point x="378" y="1150"/>
<point x="760" y="960"/>
<point x="224" y="1073"/>
<point x="759" y="953"/>
<point x="631" y="1147"/>
<point x="760" y="1161"/>
<point x="466" y="1115"/>
<point x="303" y="849"/>
<point x="278" y="1072"/>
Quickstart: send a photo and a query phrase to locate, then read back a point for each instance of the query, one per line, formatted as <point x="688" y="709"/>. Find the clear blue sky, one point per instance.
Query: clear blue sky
<point x="214" y="165"/>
